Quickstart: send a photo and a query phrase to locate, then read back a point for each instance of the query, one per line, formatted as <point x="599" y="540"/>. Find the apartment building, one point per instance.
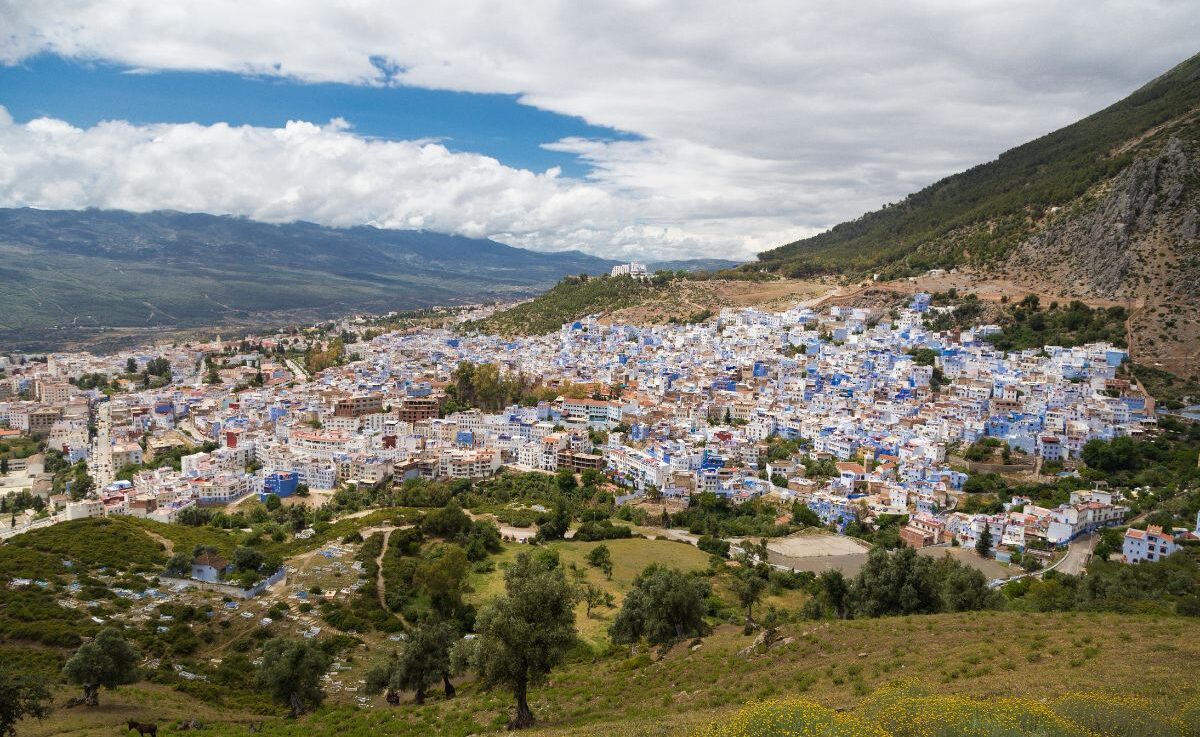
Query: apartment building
<point x="1151" y="544"/>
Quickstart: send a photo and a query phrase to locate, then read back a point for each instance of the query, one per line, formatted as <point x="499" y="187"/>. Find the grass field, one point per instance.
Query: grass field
<point x="629" y="558"/>
<point x="987" y="656"/>
<point x="18" y="447"/>
<point x="835" y="664"/>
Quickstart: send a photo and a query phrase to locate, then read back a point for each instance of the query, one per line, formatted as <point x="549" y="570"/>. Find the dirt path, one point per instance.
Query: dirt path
<point x="520" y="534"/>
<point x="379" y="584"/>
<point x="166" y="543"/>
<point x="987" y="289"/>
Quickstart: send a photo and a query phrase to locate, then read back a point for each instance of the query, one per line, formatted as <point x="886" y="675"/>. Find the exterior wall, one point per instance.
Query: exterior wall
<point x="915" y="538"/>
<point x="234" y="591"/>
<point x="359" y="405"/>
<point x="1149" y="545"/>
<point x="415" y="409"/>
<point x="281" y="484"/>
<point x="208" y="574"/>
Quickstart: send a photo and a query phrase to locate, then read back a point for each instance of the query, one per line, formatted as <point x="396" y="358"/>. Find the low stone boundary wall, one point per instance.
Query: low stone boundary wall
<point x="225" y="588"/>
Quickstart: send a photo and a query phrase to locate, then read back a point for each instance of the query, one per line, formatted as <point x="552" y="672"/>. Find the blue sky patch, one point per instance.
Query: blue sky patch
<point x="490" y="124"/>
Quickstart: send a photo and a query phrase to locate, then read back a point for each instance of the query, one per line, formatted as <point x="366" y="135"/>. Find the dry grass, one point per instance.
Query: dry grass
<point x="685" y="298"/>
<point x="629" y="557"/>
<point x="835" y="664"/>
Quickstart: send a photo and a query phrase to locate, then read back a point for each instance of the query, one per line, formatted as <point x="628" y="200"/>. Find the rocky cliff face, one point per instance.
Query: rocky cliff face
<point x="1144" y="226"/>
<point x="1136" y="240"/>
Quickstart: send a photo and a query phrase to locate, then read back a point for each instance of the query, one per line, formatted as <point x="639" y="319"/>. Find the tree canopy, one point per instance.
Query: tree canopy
<point x="665" y="605"/>
<point x="424" y="659"/>
<point x="442" y="576"/>
<point x="527" y="632"/>
<point x="601" y="557"/>
<point x="903" y="582"/>
<point x="291" y="670"/>
<point x="21" y="697"/>
<point x="107" y="661"/>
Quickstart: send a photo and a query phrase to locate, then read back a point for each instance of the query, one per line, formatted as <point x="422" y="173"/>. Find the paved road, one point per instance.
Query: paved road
<point x="101" y="461"/>
<point x="297" y="372"/>
<point x="1078" y="554"/>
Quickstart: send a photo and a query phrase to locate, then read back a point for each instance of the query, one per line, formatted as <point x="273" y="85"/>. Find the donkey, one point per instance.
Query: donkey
<point x="143" y="729"/>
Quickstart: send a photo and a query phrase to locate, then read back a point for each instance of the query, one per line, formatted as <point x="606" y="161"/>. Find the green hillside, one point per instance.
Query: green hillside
<point x="981" y="214"/>
<point x="911" y="645"/>
<point x="570" y="299"/>
<point x="1105" y="675"/>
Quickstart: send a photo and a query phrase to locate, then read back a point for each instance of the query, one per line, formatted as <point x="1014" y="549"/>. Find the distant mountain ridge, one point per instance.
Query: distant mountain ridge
<point x="693" y="264"/>
<point x="66" y="272"/>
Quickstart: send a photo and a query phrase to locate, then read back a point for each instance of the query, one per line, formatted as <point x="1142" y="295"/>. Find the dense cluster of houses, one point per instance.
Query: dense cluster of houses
<point x="665" y="409"/>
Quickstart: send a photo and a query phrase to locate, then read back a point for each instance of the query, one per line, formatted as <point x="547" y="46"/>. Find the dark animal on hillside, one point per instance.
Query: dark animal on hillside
<point x="143" y="729"/>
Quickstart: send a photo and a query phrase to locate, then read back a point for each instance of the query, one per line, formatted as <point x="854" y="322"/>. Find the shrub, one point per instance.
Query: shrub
<point x="591" y="531"/>
<point x="713" y="546"/>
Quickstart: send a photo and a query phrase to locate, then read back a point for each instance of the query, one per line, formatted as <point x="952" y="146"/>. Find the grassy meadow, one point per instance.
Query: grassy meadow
<point x="630" y="556"/>
<point x="968" y="661"/>
<point x="1064" y="673"/>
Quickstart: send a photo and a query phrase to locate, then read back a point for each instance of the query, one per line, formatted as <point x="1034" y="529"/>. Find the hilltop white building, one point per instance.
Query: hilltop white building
<point x="633" y="268"/>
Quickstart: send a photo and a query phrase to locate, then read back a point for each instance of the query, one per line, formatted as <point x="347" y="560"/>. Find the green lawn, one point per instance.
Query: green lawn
<point x="630" y="557"/>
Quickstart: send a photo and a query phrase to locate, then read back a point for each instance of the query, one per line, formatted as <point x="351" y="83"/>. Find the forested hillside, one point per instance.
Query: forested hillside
<point x="982" y="214"/>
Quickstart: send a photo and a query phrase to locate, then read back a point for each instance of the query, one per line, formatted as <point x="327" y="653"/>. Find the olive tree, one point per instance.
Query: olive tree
<point x="525" y="633"/>
<point x="107" y="661"/>
<point x="665" y="605"/>
<point x="601" y="557"/>
<point x="21" y="696"/>
<point x="748" y="586"/>
<point x="291" y="670"/>
<point x="421" y="663"/>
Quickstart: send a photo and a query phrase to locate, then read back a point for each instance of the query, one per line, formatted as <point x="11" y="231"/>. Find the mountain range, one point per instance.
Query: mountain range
<point x="70" y="273"/>
<point x="1106" y="209"/>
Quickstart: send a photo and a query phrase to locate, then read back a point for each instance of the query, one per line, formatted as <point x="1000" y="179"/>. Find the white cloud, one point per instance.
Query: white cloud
<point x="761" y="121"/>
<point x="329" y="175"/>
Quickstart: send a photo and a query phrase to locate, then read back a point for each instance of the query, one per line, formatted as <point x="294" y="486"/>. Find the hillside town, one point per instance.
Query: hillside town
<point x="855" y="414"/>
<point x="639" y="368"/>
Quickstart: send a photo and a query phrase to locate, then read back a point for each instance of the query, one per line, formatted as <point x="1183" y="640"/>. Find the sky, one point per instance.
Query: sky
<point x="638" y="129"/>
